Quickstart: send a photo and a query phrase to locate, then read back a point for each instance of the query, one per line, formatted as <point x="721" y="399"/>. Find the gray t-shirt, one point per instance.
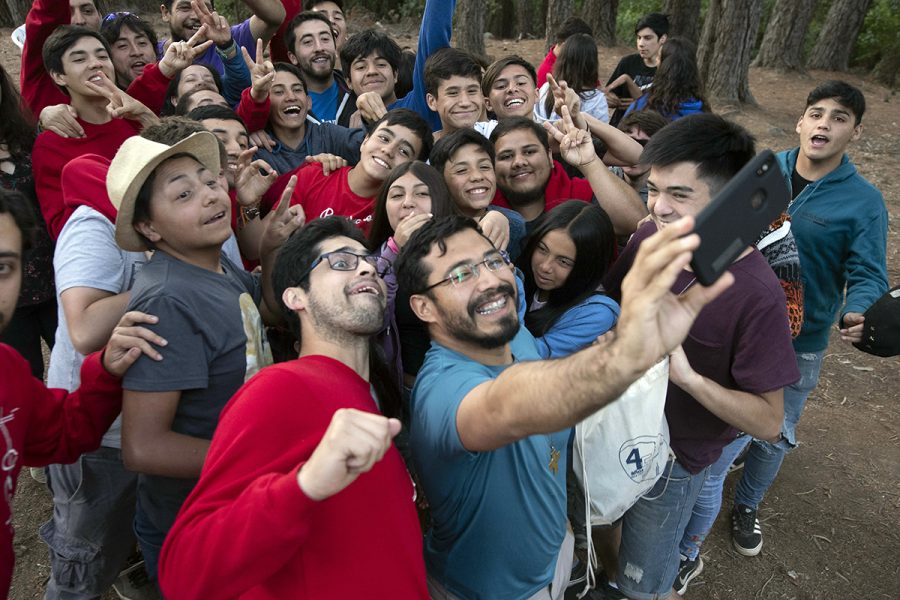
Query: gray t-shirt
<point x="87" y="255"/>
<point x="216" y="342"/>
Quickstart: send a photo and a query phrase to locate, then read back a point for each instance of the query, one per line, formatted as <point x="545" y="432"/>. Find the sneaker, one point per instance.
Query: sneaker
<point x="687" y="570"/>
<point x="746" y="534"/>
<point x="133" y="584"/>
<point x="38" y="474"/>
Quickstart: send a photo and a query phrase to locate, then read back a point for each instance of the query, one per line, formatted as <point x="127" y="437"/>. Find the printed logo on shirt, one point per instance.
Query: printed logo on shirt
<point x="8" y="462"/>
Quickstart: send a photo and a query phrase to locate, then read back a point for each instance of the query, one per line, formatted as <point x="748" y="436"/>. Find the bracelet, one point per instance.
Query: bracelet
<point x="247" y="214"/>
<point x="229" y="51"/>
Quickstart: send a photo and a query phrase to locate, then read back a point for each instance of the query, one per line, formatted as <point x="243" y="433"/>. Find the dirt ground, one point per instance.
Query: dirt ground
<point x="832" y="520"/>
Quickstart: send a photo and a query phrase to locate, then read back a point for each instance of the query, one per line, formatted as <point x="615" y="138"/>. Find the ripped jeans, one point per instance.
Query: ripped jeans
<point x="652" y="530"/>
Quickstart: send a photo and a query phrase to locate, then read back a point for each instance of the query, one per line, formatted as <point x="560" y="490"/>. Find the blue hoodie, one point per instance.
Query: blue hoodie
<point x="840" y="224"/>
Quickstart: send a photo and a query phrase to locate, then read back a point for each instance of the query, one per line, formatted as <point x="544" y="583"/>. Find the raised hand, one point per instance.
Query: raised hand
<point x="180" y="55"/>
<point x="61" y="119"/>
<point x="121" y="105"/>
<point x="575" y="144"/>
<point x="262" y="73"/>
<point x="254" y="178"/>
<point x="281" y="222"/>
<point x="352" y="444"/>
<point x="563" y="95"/>
<point x="129" y="340"/>
<point x="371" y="106"/>
<point x="408" y="226"/>
<point x="495" y="227"/>
<point x="218" y="31"/>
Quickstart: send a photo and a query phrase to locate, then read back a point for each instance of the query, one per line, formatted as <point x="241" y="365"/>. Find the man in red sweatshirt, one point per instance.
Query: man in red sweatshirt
<point x="40" y="426"/>
<point x="301" y="482"/>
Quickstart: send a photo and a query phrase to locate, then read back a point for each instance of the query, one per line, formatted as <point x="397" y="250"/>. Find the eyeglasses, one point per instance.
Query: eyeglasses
<point x="343" y="260"/>
<point x="115" y="15"/>
<point x="464" y="273"/>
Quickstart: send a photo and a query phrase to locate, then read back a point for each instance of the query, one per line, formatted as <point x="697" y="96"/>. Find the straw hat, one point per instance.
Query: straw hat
<point x="135" y="161"/>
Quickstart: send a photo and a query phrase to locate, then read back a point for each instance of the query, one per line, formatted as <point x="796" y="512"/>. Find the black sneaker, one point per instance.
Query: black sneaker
<point x="687" y="570"/>
<point x="746" y="534"/>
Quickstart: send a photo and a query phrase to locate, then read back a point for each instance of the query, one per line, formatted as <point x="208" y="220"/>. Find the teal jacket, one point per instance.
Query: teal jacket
<point x="840" y="224"/>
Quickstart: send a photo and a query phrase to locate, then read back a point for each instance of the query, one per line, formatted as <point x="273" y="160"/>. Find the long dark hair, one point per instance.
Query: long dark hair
<point x="677" y="79"/>
<point x="441" y="204"/>
<point x="577" y="65"/>
<point x="17" y="124"/>
<point x="592" y="233"/>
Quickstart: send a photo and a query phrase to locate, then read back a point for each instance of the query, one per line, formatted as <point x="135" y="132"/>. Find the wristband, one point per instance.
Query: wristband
<point x="228" y="51"/>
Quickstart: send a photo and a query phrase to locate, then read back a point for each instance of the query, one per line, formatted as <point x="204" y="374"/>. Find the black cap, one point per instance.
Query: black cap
<point x="881" y="329"/>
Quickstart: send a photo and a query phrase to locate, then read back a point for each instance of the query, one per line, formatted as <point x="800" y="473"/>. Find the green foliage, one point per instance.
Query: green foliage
<point x="630" y="12"/>
<point x="880" y="34"/>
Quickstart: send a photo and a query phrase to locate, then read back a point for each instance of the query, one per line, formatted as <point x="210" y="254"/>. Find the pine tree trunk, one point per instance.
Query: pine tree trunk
<point x="728" y="39"/>
<point x="469" y="29"/>
<point x="838" y="35"/>
<point x="601" y="16"/>
<point x="557" y="12"/>
<point x="886" y="69"/>
<point x="782" y="45"/>
<point x="12" y="12"/>
<point x="684" y="18"/>
<point x="525" y="18"/>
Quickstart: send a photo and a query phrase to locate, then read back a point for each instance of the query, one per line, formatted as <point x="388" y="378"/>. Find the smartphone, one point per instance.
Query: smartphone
<point x="736" y="217"/>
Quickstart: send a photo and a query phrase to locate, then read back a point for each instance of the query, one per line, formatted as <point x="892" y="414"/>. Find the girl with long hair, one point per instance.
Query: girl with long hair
<point x="677" y="89"/>
<point x="578" y="66"/>
<point x="565" y="258"/>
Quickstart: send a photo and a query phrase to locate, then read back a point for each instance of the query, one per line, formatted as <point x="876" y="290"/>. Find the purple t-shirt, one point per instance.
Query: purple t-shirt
<point x="242" y="37"/>
<point x="741" y="340"/>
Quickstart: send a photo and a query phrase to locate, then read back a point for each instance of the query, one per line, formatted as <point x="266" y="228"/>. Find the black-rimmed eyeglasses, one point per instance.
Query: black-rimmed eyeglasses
<point x="343" y="260"/>
<point x="463" y="273"/>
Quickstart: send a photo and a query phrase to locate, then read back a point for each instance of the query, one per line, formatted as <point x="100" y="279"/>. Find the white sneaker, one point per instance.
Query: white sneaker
<point x="133" y="584"/>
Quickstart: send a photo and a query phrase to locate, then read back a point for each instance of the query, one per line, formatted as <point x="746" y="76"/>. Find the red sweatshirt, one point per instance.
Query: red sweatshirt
<point x="363" y="542"/>
<point x="52" y="152"/>
<point x="560" y="187"/>
<point x="546" y="67"/>
<point x="40" y="426"/>
<point x="255" y="114"/>
<point x="38" y="90"/>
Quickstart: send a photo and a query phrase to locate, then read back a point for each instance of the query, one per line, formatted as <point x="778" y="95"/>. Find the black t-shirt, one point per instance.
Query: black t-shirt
<point x="798" y="183"/>
<point x="642" y="75"/>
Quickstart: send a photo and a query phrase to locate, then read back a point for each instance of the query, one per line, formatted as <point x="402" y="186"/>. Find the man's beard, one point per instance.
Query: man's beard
<point x="464" y="329"/>
<point x="518" y="199"/>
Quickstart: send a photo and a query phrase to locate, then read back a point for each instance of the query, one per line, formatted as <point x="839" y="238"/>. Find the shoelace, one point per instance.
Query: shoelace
<point x="746" y="520"/>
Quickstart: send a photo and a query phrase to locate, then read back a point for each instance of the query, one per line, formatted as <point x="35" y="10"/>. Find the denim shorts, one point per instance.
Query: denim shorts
<point x="651" y="533"/>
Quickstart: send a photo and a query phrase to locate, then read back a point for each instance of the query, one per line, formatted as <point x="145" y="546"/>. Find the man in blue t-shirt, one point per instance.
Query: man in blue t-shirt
<point x="185" y="17"/>
<point x="488" y="435"/>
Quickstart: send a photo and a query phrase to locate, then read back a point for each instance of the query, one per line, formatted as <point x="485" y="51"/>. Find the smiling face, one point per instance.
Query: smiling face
<point x="234" y="137"/>
<point x="289" y="102"/>
<point x="190" y="210"/>
<point x="826" y="129"/>
<point x="553" y="260"/>
<point x="183" y="21"/>
<point x="387" y="147"/>
<point x="314" y="51"/>
<point x="85" y="14"/>
<point x="10" y="267"/>
<point x="205" y="98"/>
<point x="84" y="61"/>
<point x="480" y="312"/>
<point x="513" y="93"/>
<point x="458" y="103"/>
<point x="373" y="74"/>
<point x="470" y="178"/>
<point x="523" y="167"/>
<point x="131" y="52"/>
<point x="407" y="196"/>
<point x="675" y="191"/>
<point x="337" y="303"/>
<point x="337" y="18"/>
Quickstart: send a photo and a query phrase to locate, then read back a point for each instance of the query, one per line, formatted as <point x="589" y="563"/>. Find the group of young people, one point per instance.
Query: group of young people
<point x="452" y="264"/>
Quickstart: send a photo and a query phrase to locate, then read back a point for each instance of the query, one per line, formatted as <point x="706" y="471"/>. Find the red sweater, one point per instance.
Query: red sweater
<point x="363" y="542"/>
<point x="560" y="187"/>
<point x="38" y="90"/>
<point x="52" y="152"/>
<point x="40" y="426"/>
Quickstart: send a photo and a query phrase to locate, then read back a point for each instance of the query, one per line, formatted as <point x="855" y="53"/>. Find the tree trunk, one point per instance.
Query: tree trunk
<point x="782" y="45"/>
<point x="886" y="69"/>
<point x="526" y="25"/>
<point x="469" y="29"/>
<point x="684" y="18"/>
<point x="601" y="16"/>
<point x="12" y="12"/>
<point x="838" y="35"/>
<point x="728" y="39"/>
<point x="557" y="12"/>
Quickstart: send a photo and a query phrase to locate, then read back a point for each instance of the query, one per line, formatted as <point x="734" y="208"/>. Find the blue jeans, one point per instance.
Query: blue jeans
<point x="150" y="540"/>
<point x="708" y="503"/>
<point x="764" y="458"/>
<point x="89" y="534"/>
<point x="652" y="530"/>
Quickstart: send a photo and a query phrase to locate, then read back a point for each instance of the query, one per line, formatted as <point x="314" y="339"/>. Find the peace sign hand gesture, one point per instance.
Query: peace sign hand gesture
<point x="121" y="105"/>
<point x="262" y="73"/>
<point x="575" y="144"/>
<point x="218" y="30"/>
<point x="281" y="222"/>
<point x="180" y="55"/>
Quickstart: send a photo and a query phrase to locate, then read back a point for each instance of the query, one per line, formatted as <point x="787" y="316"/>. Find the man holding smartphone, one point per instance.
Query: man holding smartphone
<point x="728" y="375"/>
<point x="840" y="224"/>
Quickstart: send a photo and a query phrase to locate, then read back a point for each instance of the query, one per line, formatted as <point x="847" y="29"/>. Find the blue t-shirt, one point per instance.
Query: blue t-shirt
<point x="324" y="105"/>
<point x="500" y="516"/>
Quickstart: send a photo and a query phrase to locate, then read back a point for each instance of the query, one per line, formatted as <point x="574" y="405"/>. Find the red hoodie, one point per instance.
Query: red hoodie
<point x="40" y="426"/>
